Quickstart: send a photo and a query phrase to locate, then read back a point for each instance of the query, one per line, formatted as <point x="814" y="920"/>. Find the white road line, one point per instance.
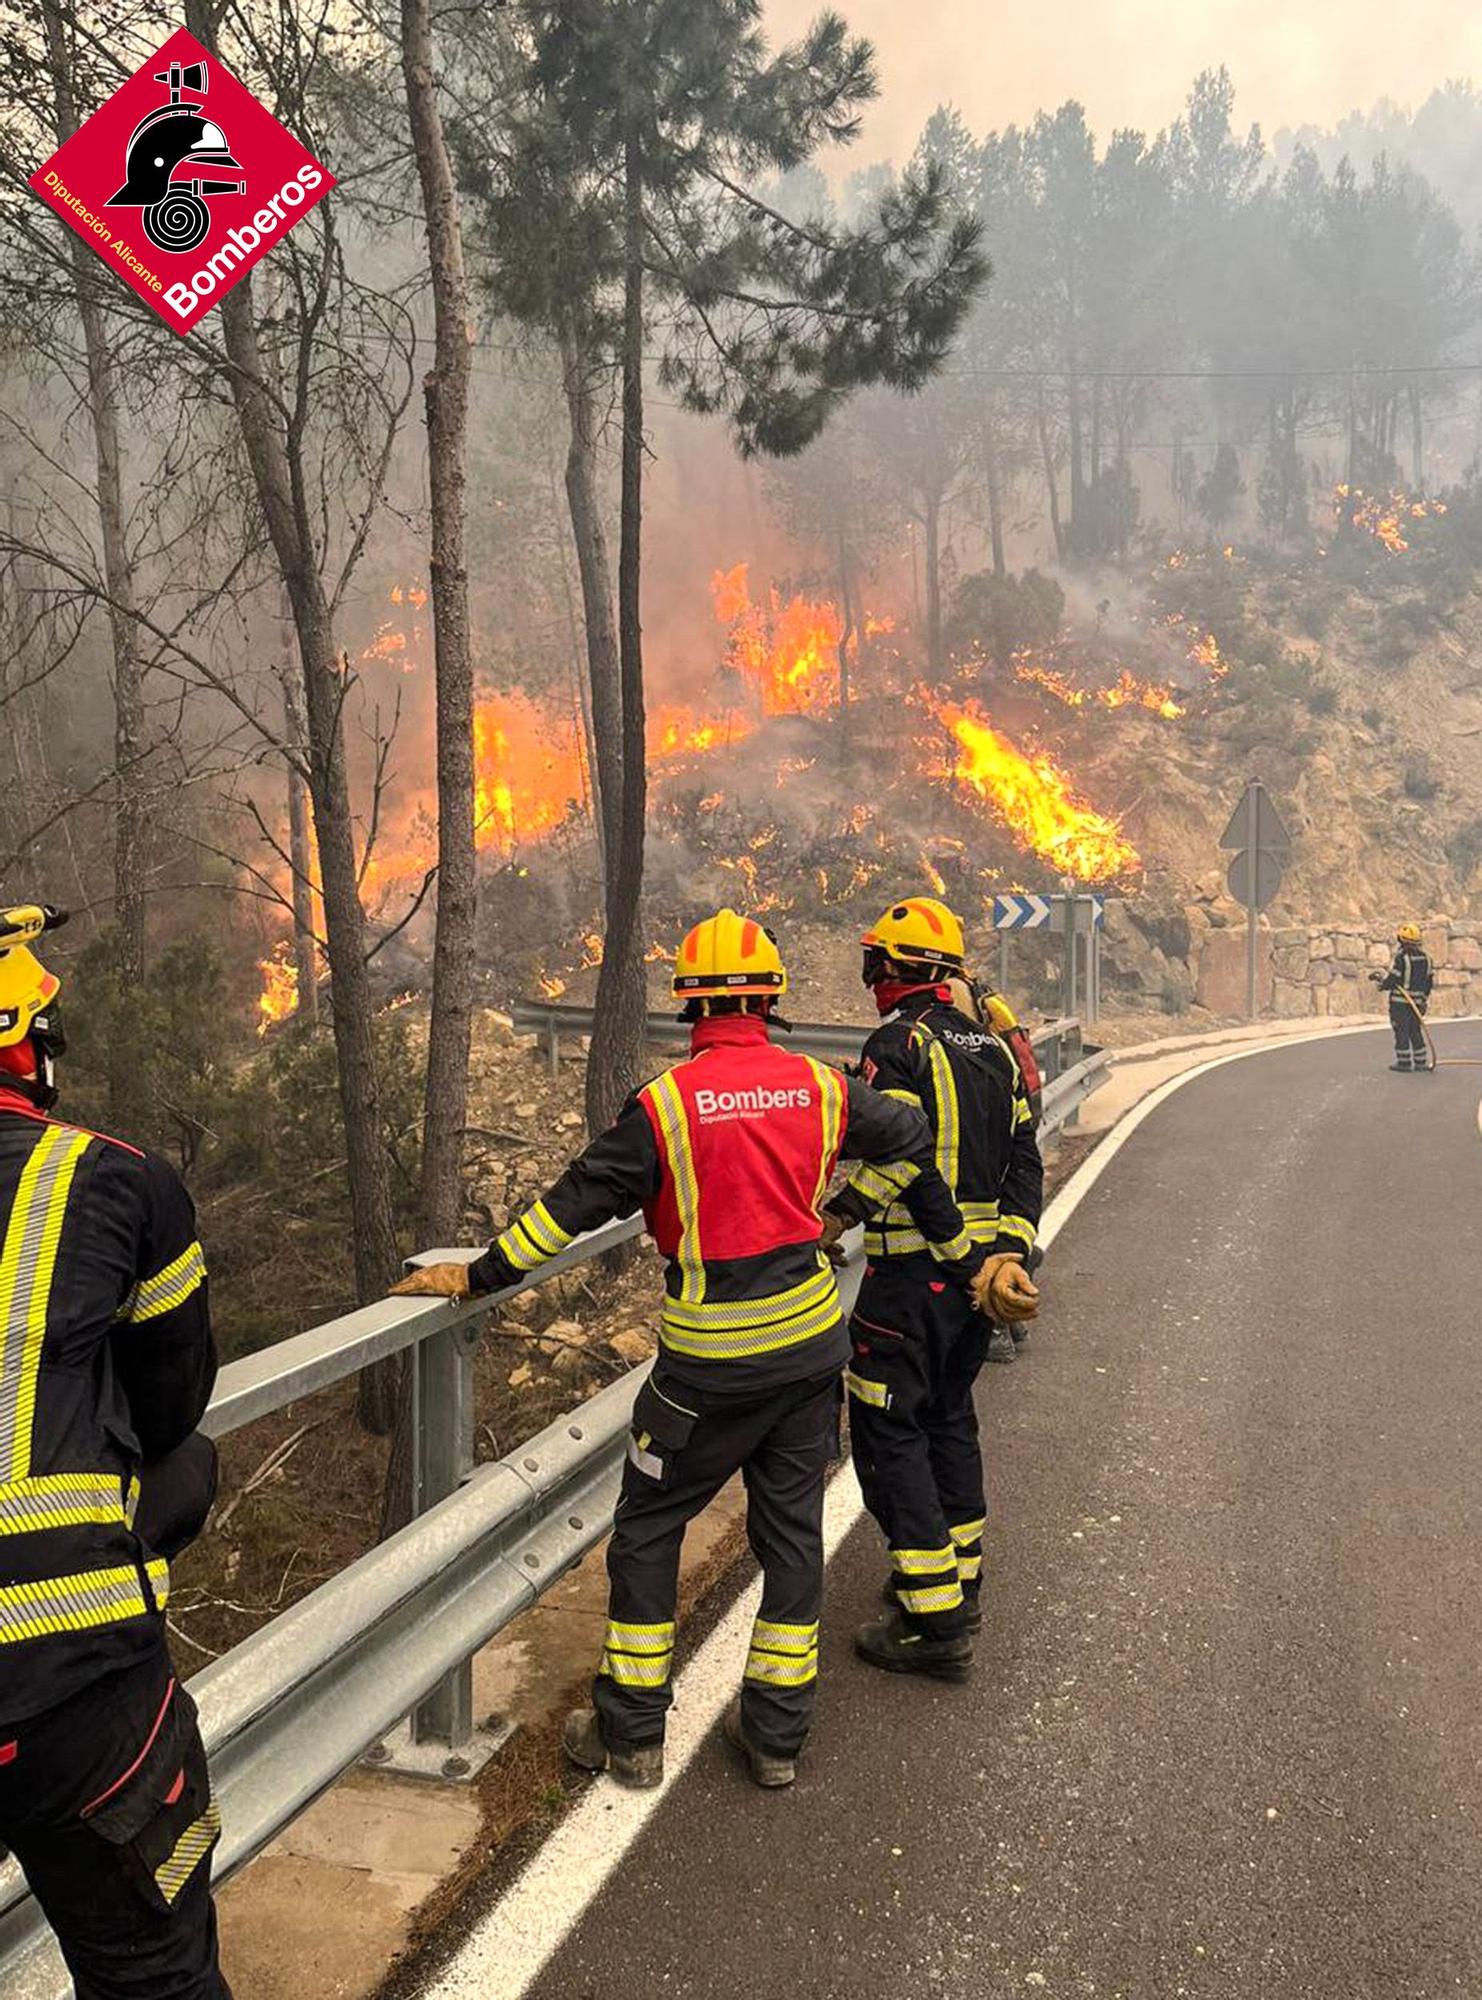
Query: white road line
<point x="512" y="1945"/>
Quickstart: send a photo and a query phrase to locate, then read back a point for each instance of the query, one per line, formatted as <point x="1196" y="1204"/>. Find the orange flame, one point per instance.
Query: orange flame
<point x="1036" y="800"/>
<point x="1127" y="691"/>
<point x="279" y="996"/>
<point x="787" y="653"/>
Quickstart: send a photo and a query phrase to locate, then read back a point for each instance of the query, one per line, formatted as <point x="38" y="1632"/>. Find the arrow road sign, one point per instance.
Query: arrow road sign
<point x="1090" y="915"/>
<point x="1021" y="913"/>
<point x="1258" y="889"/>
<point x="1270" y="833"/>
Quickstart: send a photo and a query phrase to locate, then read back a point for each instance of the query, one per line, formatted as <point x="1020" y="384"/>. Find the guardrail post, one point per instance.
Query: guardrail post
<point x="553" y="1047"/>
<point x="442" y="1458"/>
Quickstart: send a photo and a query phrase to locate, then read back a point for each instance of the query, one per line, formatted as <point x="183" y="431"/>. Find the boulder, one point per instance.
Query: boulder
<point x="1293" y="1000"/>
<point x="1291" y="960"/>
<point x="1436" y="941"/>
<point x="633" y="1346"/>
<point x="1321" y="973"/>
<point x="1466" y="953"/>
<point x="1322" y="945"/>
<point x="1349" y="998"/>
<point x="1350" y="949"/>
<point x="1380" y="955"/>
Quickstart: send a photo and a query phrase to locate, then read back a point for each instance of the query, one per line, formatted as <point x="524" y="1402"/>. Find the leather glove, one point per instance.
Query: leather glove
<point x="1004" y="1291"/>
<point x="435" y="1281"/>
<point x="833" y="1231"/>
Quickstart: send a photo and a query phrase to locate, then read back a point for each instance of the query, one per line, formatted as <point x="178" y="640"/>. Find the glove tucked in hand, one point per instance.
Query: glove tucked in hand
<point x="435" y="1281"/>
<point x="1005" y="1293"/>
<point x="833" y="1230"/>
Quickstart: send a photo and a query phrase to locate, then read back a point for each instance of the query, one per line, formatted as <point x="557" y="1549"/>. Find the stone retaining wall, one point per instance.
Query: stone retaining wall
<point x="1303" y="971"/>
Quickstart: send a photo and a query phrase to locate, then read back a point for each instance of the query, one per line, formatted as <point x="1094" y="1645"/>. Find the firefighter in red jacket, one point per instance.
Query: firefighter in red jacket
<point x="729" y="1155"/>
<point x="106" y="1367"/>
<point x="918" y="1346"/>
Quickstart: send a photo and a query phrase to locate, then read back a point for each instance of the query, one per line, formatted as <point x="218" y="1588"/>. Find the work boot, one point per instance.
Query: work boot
<point x="1020" y="1337"/>
<point x="771" y="1773"/>
<point x="581" y="1738"/>
<point x="972" y="1599"/>
<point x="1001" y="1345"/>
<point x="1403" y="1068"/>
<point x="890" y="1643"/>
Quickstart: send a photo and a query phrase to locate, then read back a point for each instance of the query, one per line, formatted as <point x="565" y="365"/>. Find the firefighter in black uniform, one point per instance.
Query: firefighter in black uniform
<point x="1408" y="984"/>
<point x="918" y="1349"/>
<point x="729" y="1155"/>
<point x="106" y="1366"/>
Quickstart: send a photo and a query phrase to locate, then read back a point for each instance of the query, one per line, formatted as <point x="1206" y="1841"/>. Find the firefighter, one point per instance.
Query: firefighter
<point x="918" y="1348"/>
<point x="729" y="1155"/>
<point x="982" y="1002"/>
<point x="1408" y="984"/>
<point x="106" y="1366"/>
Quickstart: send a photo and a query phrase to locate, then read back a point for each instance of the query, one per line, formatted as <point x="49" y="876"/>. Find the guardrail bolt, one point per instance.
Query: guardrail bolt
<point x="532" y="1562"/>
<point x="576" y="1432"/>
<point x="576" y="1521"/>
<point x="377" y="1754"/>
<point x="455" y="1767"/>
<point x="532" y="1465"/>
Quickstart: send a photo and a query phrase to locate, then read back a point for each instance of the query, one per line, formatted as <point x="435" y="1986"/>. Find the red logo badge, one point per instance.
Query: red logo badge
<point x="181" y="181"/>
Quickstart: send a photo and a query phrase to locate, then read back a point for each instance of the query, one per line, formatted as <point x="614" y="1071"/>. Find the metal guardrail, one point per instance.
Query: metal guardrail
<point x="290" y="1709"/>
<point x="1058" y="1042"/>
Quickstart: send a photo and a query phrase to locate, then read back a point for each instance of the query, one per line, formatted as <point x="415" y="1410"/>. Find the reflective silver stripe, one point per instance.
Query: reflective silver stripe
<point x="168" y="1288"/>
<point x="648" y="1462"/>
<point x="78" y="1603"/>
<point x="638" y="1655"/>
<point x="726" y="1343"/>
<point x="941" y="1597"/>
<point x="875" y="1394"/>
<point x="664" y="1094"/>
<point x="745" y="1314"/>
<point x="924" y="1562"/>
<point x="62" y="1500"/>
<point x="26" y="1265"/>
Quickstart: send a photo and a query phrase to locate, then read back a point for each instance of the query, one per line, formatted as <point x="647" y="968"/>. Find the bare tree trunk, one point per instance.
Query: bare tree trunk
<point x="604" y="665"/>
<point x="1417" y="438"/>
<point x="440" y="1206"/>
<point x="847" y="637"/>
<point x="1049" y="463"/>
<point x="995" y="501"/>
<point x="300" y="836"/>
<point x="617" y="1035"/>
<point x="129" y="1063"/>
<point x="932" y="510"/>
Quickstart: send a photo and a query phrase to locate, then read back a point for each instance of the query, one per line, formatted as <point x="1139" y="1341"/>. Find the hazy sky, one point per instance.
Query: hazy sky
<point x="1130" y="61"/>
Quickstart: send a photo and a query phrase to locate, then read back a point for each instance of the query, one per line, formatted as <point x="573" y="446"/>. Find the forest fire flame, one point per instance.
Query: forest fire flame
<point x="1127" y="691"/>
<point x="1036" y="800"/>
<point x="1387" y="518"/>
<point x="279" y="996"/>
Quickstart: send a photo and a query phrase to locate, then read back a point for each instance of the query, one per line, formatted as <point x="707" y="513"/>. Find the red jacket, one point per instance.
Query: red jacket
<point x="730" y="1155"/>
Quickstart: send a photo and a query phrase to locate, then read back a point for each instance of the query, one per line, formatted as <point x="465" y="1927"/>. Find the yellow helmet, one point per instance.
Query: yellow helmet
<point x="920" y="930"/>
<point x="729" y="957"/>
<point x="27" y="989"/>
<point x="1409" y="934"/>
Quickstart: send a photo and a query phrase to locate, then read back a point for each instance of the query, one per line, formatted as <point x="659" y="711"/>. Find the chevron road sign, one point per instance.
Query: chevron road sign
<point x="1021" y="913"/>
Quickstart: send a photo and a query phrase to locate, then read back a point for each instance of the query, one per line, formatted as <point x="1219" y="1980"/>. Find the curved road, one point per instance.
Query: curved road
<point x="1224" y="1736"/>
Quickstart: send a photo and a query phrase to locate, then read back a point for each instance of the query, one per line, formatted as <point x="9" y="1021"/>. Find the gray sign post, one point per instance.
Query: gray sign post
<point x="1261" y="844"/>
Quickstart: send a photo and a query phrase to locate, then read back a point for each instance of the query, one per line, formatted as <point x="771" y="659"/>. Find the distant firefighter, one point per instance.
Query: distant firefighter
<point x="1408" y="984"/>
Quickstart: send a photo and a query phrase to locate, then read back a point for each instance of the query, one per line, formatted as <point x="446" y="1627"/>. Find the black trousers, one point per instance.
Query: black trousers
<point x="106" y="1804"/>
<point x="684" y="1446"/>
<point x="1410" y="1048"/>
<point x="919" y="1347"/>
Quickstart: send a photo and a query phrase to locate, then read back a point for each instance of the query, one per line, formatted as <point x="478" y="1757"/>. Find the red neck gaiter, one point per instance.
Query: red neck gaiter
<point x="892" y="993"/>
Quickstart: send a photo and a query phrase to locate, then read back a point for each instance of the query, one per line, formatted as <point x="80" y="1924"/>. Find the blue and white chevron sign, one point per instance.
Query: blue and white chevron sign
<point x="1021" y="913"/>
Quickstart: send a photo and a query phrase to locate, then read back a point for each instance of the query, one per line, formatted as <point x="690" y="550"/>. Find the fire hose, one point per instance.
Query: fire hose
<point x="1436" y="1061"/>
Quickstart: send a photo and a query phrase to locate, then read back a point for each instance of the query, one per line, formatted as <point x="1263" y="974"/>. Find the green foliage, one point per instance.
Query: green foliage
<point x="995" y="617"/>
<point x="1323" y="700"/>
<point x="1221" y="489"/>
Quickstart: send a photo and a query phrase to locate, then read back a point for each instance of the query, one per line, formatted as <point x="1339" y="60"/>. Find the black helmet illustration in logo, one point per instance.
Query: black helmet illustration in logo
<point x="174" y="136"/>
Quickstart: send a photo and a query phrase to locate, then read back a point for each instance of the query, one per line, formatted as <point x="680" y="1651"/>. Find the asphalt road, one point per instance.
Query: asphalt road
<point x="1224" y="1737"/>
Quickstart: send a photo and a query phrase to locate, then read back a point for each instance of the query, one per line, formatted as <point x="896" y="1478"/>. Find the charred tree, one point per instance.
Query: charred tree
<point x="440" y="1208"/>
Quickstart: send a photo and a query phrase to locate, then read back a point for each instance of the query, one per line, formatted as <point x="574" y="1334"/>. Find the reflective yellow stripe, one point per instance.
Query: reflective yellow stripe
<point x="949" y="1253"/>
<point x="874" y="1393"/>
<point x="78" y="1603"/>
<point x="968" y="1532"/>
<point x="664" y="1094"/>
<point x="883" y="1185"/>
<point x="542" y="1228"/>
<point x="782" y="1655"/>
<point x="168" y="1288"/>
<point x="729" y="1343"/>
<point x="969" y="1569"/>
<point x="64" y="1500"/>
<point x="819" y="1289"/>
<point x="948" y="1118"/>
<point x="924" y="1562"/>
<point x="638" y="1655"/>
<point x="905" y="1097"/>
<point x="941" y="1597"/>
<point x="26" y="1266"/>
<point x="1023" y="1112"/>
<point x="1019" y="1226"/>
<point x="189" y="1852"/>
<point x="831" y="1117"/>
